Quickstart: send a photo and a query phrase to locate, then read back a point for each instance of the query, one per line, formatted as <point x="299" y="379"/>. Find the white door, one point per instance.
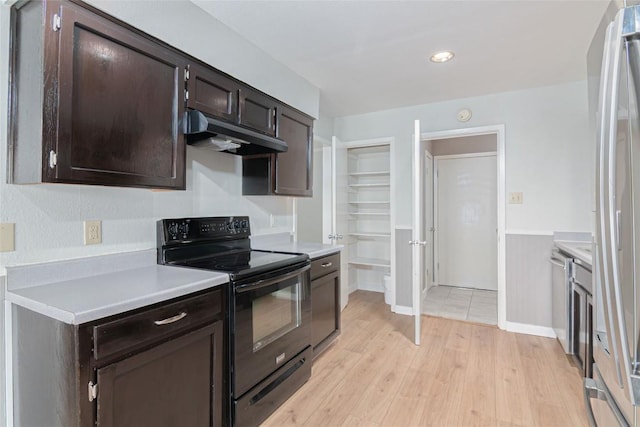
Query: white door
<point x="466" y="221"/>
<point x="417" y="243"/>
<point x="340" y="209"/>
<point x="428" y="223"/>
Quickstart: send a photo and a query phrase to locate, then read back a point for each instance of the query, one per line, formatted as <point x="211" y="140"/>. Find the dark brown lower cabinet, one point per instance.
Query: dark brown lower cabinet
<point x="157" y="366"/>
<point x="325" y="301"/>
<point x="178" y="383"/>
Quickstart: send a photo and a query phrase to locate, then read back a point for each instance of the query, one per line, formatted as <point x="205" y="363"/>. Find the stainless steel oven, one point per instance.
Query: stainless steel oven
<point x="271" y="339"/>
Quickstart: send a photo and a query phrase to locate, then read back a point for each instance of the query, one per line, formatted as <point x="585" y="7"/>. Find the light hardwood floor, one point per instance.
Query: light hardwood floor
<point x="463" y="374"/>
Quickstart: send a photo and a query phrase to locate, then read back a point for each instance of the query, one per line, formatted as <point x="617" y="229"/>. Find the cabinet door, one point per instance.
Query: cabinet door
<point x="294" y="173"/>
<point x="257" y="111"/>
<point x="212" y="93"/>
<point x="178" y="383"/>
<point x="325" y="310"/>
<point x="121" y="97"/>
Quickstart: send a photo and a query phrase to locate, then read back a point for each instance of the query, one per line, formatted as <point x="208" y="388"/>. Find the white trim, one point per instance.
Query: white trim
<point x="455" y="133"/>
<point x="402" y="309"/>
<point x="499" y="131"/>
<point x="373" y="142"/>
<point x="321" y="140"/>
<point x="525" y="328"/>
<point x="392" y="218"/>
<point x="403" y="227"/>
<point x="371" y="287"/>
<point x="428" y="235"/>
<point x="530" y="232"/>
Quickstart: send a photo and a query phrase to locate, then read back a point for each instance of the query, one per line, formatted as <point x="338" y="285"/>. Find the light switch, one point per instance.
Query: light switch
<point x="515" y="198"/>
<point x="7" y="237"/>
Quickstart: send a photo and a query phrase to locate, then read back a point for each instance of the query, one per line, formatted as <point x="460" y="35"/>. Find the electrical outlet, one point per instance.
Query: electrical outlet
<point x="7" y="237"/>
<point x="515" y="198"/>
<point x="92" y="232"/>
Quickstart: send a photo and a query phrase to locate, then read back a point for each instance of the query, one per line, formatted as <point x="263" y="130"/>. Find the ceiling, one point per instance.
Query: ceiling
<point x="374" y="55"/>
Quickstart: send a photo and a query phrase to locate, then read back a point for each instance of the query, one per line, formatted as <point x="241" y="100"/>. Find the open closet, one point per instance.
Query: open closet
<point x="369" y="216"/>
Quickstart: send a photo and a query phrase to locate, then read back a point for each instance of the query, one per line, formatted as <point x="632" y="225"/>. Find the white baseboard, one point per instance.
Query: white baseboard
<point x="402" y="309"/>
<point x="525" y="328"/>
<point x="373" y="287"/>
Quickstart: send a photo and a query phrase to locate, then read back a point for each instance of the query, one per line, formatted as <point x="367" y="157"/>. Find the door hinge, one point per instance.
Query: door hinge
<point x="53" y="159"/>
<point x="57" y="22"/>
<point x="186" y="95"/>
<point x="186" y="73"/>
<point x="93" y="391"/>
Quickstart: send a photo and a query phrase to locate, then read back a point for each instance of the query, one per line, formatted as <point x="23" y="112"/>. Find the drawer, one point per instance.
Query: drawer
<point x="325" y="265"/>
<point x="151" y="326"/>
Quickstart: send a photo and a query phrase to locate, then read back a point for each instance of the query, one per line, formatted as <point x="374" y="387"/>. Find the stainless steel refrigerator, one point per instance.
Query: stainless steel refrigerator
<point x="613" y="395"/>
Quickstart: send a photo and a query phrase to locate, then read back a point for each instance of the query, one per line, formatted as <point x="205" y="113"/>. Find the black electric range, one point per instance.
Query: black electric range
<point x="269" y="309"/>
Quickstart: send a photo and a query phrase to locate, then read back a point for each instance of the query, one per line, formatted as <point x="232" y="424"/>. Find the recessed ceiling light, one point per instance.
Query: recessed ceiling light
<point x="443" y="56"/>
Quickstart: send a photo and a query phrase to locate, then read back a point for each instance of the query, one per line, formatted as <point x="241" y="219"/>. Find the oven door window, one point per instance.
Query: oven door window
<point x="275" y="314"/>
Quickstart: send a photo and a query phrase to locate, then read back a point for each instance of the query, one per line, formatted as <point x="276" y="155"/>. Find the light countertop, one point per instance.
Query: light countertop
<point x="77" y="300"/>
<point x="314" y="250"/>
<point x="577" y="249"/>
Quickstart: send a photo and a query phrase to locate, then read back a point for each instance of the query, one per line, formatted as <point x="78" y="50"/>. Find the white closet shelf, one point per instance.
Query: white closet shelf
<point x="370" y="173"/>
<point x="373" y="262"/>
<point x="386" y="235"/>
<point x="369" y="202"/>
<point x="382" y="185"/>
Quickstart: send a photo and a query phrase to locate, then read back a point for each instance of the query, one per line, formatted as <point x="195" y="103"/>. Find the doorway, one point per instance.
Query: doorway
<point x="464" y="224"/>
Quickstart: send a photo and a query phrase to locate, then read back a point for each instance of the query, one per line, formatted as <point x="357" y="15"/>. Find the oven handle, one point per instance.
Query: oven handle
<point x="268" y="282"/>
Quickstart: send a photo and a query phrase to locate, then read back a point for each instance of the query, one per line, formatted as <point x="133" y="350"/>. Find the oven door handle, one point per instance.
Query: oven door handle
<point x="268" y="282"/>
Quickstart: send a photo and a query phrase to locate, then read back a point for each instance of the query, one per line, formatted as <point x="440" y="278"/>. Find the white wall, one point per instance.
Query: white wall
<point x="549" y="151"/>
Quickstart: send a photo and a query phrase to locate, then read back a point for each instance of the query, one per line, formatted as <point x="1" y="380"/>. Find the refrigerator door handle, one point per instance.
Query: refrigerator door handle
<point x="618" y="229"/>
<point x="592" y="391"/>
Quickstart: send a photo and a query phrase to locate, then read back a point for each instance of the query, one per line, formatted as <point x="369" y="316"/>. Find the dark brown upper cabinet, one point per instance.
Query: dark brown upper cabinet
<point x="93" y="101"/>
<point x="212" y="92"/>
<point x="221" y="96"/>
<point x="294" y="169"/>
<point x="283" y="174"/>
<point x="258" y="111"/>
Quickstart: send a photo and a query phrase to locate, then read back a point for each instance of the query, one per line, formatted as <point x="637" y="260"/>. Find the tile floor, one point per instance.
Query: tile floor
<point x="462" y="304"/>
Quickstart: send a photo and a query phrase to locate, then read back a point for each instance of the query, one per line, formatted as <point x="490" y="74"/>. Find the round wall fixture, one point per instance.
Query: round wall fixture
<point x="464" y="115"/>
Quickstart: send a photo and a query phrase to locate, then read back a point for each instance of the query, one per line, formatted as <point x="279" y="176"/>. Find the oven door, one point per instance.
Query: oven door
<point x="272" y="316"/>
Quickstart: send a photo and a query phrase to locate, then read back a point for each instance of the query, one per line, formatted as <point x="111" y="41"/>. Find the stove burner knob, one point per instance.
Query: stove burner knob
<point x="172" y="229"/>
<point x="245" y="224"/>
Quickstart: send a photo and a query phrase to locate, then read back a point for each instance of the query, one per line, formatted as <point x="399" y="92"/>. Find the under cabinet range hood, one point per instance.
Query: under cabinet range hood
<point x="203" y="130"/>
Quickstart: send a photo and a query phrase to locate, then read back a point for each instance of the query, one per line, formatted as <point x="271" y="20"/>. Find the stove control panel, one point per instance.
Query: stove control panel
<point x="207" y="228"/>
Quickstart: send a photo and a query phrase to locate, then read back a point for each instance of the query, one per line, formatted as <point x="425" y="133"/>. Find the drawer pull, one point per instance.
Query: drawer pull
<point x="327" y="264"/>
<point x="171" y="319"/>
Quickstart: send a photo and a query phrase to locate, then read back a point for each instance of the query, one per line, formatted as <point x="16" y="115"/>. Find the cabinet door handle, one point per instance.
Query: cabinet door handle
<point x="171" y="319"/>
<point x="327" y="264"/>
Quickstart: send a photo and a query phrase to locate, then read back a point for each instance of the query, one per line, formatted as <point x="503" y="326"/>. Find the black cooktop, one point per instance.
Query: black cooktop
<point x="218" y="244"/>
<point x="246" y="263"/>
